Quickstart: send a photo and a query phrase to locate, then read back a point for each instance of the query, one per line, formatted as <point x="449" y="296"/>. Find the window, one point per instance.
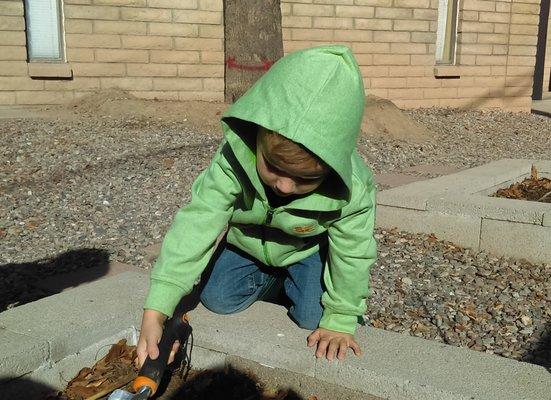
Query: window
<point x="44" y="30"/>
<point x="446" y="35"/>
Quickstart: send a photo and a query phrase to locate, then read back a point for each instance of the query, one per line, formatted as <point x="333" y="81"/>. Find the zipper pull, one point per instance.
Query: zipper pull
<point x="269" y="216"/>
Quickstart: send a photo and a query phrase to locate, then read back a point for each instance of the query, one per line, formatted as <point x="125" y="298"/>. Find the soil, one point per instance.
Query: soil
<point x="531" y="189"/>
<point x="381" y="117"/>
<point x="203" y="116"/>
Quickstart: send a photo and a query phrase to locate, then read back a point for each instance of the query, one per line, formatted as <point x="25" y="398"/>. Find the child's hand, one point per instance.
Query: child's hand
<point x="331" y="344"/>
<point x="150" y="336"/>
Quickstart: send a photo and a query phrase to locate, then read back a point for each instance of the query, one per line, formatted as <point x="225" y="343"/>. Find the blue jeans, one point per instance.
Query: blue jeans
<point x="238" y="280"/>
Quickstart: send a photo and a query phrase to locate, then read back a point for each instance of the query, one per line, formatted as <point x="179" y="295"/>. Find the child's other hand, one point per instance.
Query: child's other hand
<point x="150" y="336"/>
<point x="332" y="344"/>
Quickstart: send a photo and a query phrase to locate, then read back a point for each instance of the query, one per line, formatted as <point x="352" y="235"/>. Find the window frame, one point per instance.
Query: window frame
<point x="61" y="36"/>
<point x="448" y="23"/>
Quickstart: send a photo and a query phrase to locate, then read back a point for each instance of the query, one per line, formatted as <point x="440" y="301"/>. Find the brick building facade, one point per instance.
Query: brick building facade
<point x="174" y="49"/>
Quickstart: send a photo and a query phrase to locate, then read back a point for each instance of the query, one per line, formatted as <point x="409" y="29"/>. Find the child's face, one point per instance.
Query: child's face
<point x="287" y="180"/>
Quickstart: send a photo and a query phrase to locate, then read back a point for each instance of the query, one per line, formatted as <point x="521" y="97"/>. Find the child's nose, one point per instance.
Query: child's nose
<point x="286" y="185"/>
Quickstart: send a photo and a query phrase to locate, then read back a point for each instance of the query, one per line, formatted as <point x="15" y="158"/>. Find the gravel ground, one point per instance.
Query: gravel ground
<point x="113" y="185"/>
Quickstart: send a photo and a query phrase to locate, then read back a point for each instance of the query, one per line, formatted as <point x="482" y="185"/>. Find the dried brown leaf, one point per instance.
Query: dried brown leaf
<point x="96" y="383"/>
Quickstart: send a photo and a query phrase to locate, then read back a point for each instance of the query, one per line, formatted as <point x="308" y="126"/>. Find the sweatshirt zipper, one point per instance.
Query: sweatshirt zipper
<point x="267" y="221"/>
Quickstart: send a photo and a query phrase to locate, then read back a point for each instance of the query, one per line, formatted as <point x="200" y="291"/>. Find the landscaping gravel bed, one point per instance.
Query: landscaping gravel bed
<point x="114" y="185"/>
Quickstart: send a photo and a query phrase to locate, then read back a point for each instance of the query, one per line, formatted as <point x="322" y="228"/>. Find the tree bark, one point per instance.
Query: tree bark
<point x="253" y="42"/>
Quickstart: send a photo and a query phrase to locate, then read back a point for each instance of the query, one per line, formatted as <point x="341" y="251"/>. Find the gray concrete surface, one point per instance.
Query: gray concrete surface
<point x="542" y="107"/>
<point x="528" y="212"/>
<point x="507" y="238"/>
<point x="547" y="218"/>
<point x="458" y="208"/>
<point x="464" y="229"/>
<point x="76" y="324"/>
<point x="75" y="319"/>
<point x="280" y="379"/>
<point x="393" y="179"/>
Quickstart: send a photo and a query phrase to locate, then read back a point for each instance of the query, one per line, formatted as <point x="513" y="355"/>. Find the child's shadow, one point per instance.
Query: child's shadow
<point x="30" y="281"/>
<point x="226" y="384"/>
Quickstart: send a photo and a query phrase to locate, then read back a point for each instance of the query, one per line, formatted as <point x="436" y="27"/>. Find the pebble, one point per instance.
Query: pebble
<point x="114" y="184"/>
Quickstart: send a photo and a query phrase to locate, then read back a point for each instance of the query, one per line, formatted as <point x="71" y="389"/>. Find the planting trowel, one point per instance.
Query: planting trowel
<point x="147" y="382"/>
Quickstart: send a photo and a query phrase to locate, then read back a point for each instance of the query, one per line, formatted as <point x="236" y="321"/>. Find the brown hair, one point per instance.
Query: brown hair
<point x="286" y="151"/>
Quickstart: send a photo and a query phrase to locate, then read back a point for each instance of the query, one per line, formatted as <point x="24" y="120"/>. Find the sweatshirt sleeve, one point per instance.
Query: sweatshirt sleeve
<point x="190" y="241"/>
<point x="351" y="253"/>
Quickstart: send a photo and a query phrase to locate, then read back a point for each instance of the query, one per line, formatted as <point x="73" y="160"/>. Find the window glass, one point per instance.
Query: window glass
<point x="446" y="34"/>
<point x="43" y="18"/>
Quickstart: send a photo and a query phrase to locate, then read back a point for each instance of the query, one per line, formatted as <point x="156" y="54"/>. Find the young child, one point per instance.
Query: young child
<point x="298" y="202"/>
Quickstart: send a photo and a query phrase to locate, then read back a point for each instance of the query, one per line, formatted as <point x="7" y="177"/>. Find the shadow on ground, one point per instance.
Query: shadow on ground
<point x="222" y="384"/>
<point x="21" y="283"/>
<point x="540" y="353"/>
<point x="22" y="388"/>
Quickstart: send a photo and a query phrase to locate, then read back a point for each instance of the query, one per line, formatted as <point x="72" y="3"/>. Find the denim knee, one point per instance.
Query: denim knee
<point x="216" y="302"/>
<point x="306" y="313"/>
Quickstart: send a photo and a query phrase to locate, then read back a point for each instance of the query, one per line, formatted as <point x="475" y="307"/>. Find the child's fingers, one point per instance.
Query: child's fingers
<point x="173" y="351"/>
<point x="152" y="348"/>
<point x="141" y="353"/>
<point x="332" y="349"/>
<point x="343" y="348"/>
<point x="322" y="348"/>
<point x="355" y="347"/>
<point x="313" y="338"/>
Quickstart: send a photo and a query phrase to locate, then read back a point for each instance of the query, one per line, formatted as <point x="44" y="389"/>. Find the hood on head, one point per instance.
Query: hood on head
<point x="314" y="97"/>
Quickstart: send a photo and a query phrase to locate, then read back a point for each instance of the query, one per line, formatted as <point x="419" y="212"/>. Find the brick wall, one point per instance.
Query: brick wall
<point x="168" y="49"/>
<point x="394" y="42"/>
<point x="173" y="49"/>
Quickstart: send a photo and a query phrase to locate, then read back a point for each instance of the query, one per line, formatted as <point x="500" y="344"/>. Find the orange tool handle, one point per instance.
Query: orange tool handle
<point x="175" y="328"/>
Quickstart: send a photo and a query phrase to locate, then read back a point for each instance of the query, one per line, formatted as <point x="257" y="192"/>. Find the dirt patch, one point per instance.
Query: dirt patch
<point x="531" y="189"/>
<point x="203" y="116"/>
<point x="381" y="117"/>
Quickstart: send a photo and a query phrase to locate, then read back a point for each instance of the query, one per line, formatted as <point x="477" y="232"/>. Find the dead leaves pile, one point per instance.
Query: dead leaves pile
<point x="113" y="371"/>
<point x="532" y="189"/>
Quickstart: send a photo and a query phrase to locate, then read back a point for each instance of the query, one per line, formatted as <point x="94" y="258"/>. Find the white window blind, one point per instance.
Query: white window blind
<point x="446" y="33"/>
<point x="43" y="18"/>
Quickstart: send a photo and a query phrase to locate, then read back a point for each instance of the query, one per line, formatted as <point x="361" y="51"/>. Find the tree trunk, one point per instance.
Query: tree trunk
<point x="253" y="42"/>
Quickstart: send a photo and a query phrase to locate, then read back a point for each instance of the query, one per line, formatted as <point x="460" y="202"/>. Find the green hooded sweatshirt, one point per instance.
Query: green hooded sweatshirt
<point x="314" y="97"/>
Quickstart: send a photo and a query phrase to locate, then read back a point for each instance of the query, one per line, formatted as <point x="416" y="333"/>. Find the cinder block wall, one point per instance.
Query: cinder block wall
<point x="173" y="49"/>
<point x="394" y="42"/>
<point x="168" y="49"/>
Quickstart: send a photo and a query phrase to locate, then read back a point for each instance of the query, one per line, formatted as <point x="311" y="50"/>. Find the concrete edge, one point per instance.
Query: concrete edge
<point x="528" y="212"/>
<point x="395" y="366"/>
<point x="471" y="181"/>
<point x="463" y="230"/>
<point x="539" y="109"/>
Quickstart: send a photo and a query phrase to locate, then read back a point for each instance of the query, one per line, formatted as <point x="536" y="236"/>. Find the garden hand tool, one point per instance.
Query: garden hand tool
<point x="147" y="381"/>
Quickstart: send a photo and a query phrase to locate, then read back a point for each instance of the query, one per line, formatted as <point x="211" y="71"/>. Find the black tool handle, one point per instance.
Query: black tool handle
<point x="175" y="328"/>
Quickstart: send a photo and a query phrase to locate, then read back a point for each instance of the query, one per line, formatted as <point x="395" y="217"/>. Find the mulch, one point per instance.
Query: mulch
<point x="531" y="189"/>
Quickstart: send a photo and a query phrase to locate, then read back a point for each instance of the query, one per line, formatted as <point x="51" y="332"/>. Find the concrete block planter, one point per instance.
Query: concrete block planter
<point x="458" y="208"/>
<point x="46" y="342"/>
